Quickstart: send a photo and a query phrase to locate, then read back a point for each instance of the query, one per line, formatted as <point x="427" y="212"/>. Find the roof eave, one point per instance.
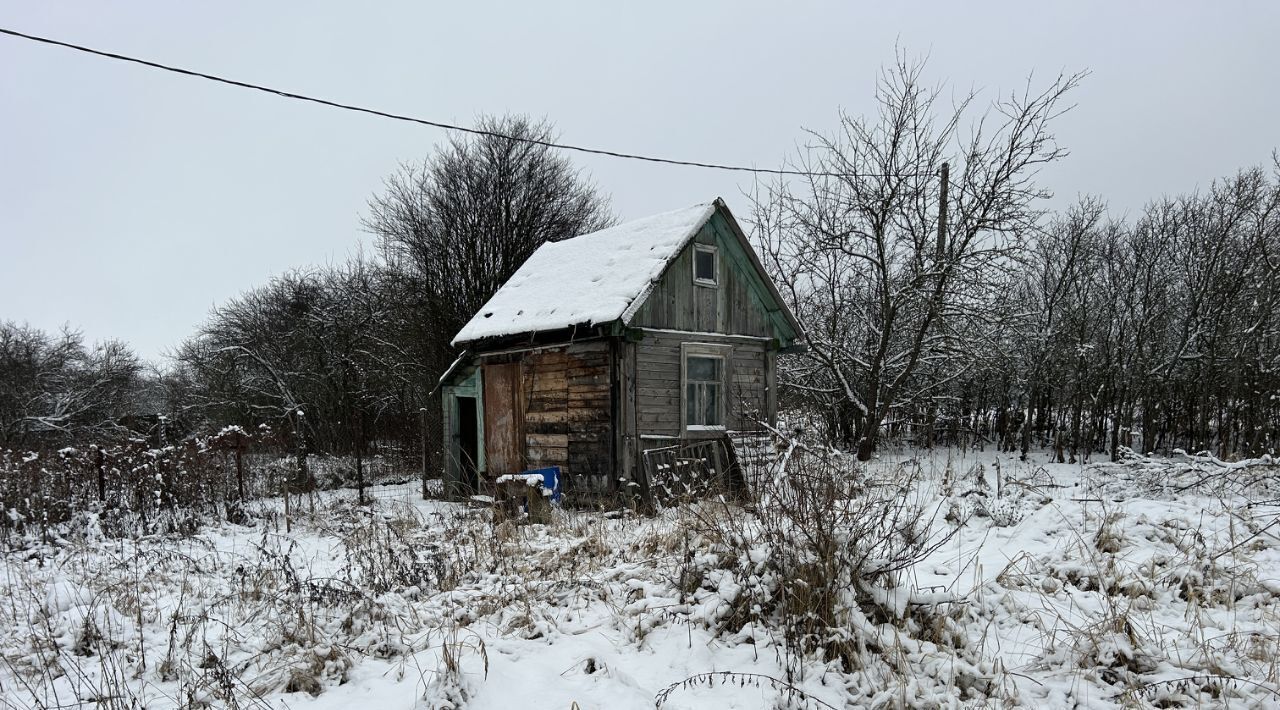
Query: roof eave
<point x="538" y="338"/>
<point x="463" y="357"/>
<point x="638" y="302"/>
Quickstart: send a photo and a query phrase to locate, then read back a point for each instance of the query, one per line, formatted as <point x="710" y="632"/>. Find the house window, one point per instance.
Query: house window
<point x="704" y="395"/>
<point x="705" y="269"/>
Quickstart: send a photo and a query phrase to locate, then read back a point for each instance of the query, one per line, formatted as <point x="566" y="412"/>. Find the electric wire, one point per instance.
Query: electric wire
<point x="438" y="124"/>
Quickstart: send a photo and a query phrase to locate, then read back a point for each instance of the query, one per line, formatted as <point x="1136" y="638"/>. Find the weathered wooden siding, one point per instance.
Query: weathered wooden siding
<point x="733" y="307"/>
<point x="658" y="389"/>
<point x="567" y="420"/>
<point x="626" y="438"/>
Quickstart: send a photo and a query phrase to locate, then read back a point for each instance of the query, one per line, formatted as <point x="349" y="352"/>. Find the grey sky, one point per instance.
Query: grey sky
<point x="131" y="201"/>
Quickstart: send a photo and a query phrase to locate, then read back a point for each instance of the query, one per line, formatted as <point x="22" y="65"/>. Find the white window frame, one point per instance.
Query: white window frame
<point x="715" y="267"/>
<point x="723" y="353"/>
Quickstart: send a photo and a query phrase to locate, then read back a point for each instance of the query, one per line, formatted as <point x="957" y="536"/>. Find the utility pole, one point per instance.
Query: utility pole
<point x="945" y="174"/>
<point x="939" y="255"/>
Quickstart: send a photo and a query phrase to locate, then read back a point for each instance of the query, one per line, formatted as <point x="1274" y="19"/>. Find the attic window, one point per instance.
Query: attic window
<point x="705" y="271"/>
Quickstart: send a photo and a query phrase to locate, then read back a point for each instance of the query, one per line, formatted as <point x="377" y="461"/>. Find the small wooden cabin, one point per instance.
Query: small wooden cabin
<point x="636" y="338"/>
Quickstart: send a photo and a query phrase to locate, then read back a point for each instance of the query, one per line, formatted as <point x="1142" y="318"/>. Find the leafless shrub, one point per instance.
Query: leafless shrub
<point x="821" y="563"/>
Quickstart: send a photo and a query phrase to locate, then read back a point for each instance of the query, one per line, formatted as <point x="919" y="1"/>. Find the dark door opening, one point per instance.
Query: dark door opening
<point x="468" y="442"/>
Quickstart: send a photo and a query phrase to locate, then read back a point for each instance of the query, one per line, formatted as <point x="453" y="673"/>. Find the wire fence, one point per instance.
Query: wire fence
<point x="404" y="492"/>
<point x="134" y="487"/>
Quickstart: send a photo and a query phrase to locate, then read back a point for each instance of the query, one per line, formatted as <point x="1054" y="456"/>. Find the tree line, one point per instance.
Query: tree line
<point x="940" y="302"/>
<point x="54" y="388"/>
<point x="347" y="357"/>
<point x="340" y="359"/>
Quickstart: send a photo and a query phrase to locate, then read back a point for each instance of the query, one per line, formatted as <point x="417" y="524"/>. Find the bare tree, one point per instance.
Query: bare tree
<point x="346" y="355"/>
<point x="455" y="227"/>
<point x="858" y="246"/>
<point x="458" y="225"/>
<point x="1161" y="333"/>
<point x="1059" y="266"/>
<point x="54" y="390"/>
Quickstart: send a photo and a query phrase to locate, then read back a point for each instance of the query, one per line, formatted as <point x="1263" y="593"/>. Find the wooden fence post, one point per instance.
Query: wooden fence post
<point x="240" y="445"/>
<point x="285" y="489"/>
<point x="422" y="422"/>
<point x="360" y="457"/>
<point x="102" y="475"/>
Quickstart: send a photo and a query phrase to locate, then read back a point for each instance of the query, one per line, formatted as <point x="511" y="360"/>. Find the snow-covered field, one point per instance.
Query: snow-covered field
<point x="1153" y="583"/>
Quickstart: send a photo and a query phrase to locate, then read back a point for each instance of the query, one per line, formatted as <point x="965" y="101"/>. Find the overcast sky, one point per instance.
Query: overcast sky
<point x="132" y="201"/>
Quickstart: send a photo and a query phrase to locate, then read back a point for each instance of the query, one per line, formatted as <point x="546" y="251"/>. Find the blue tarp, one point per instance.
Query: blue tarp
<point x="550" y="480"/>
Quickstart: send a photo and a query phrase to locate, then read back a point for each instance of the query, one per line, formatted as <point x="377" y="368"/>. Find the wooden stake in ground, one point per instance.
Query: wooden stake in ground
<point x="422" y="420"/>
<point x="240" y="446"/>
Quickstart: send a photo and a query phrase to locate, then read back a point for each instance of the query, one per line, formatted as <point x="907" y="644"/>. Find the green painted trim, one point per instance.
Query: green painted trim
<point x="737" y="254"/>
<point x="471" y="381"/>
<point x="470" y="386"/>
<point x="729" y="245"/>
<point x="462" y="375"/>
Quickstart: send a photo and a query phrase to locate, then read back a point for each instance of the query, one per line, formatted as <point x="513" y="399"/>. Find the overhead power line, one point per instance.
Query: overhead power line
<point x="435" y="124"/>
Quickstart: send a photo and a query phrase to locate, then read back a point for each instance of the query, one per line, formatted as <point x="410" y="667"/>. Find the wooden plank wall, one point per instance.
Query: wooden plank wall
<point x="658" y="381"/>
<point x="567" y="417"/>
<point x="503" y="431"/>
<point x="626" y="439"/>
<point x="677" y="303"/>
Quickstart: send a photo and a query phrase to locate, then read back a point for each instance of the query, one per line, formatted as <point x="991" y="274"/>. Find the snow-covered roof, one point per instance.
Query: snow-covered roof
<point x="587" y="280"/>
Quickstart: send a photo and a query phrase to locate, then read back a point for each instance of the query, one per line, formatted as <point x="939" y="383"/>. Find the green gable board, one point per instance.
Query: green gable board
<point x="741" y="304"/>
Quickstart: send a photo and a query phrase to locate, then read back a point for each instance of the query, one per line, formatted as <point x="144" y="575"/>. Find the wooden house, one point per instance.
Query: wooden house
<point x="600" y="348"/>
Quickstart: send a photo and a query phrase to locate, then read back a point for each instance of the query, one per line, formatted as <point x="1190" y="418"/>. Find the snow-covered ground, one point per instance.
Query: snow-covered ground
<point x="1037" y="585"/>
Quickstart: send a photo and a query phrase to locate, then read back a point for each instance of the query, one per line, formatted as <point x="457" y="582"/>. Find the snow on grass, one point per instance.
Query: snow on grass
<point x="1034" y="585"/>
